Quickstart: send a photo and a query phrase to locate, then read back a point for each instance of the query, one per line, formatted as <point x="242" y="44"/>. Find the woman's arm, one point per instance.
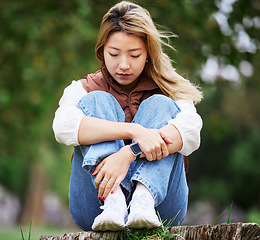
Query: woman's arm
<point x="72" y="127"/>
<point x="175" y="144"/>
<point x="114" y="168"/>
<point x="188" y="123"/>
<point x="68" y="117"/>
<point x="93" y="130"/>
<point x="183" y="131"/>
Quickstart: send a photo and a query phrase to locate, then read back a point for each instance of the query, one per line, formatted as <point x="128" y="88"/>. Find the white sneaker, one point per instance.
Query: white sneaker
<point x="113" y="216"/>
<point x="142" y="212"/>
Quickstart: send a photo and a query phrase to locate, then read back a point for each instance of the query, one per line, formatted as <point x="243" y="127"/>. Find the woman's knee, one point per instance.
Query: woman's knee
<point x="80" y="220"/>
<point x="158" y="99"/>
<point x="102" y="105"/>
<point x="96" y="97"/>
<point x="83" y="212"/>
<point x="160" y="103"/>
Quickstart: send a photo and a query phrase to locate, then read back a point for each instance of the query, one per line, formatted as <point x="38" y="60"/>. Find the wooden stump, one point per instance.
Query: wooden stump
<point x="234" y="231"/>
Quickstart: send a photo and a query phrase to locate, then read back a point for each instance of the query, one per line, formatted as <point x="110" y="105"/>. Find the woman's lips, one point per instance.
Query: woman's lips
<point x="123" y="75"/>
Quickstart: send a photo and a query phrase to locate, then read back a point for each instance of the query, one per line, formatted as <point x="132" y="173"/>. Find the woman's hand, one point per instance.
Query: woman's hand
<point x="153" y="142"/>
<point x="174" y="142"/>
<point x="111" y="171"/>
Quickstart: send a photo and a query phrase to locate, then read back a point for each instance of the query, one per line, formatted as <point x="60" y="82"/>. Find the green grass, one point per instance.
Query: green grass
<point x="229" y="214"/>
<point x="160" y="233"/>
<point x="33" y="232"/>
<point x="14" y="233"/>
<point x="29" y="234"/>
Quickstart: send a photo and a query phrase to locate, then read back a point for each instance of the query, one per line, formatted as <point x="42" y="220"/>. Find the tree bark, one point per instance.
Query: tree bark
<point x="33" y="208"/>
<point x="234" y="231"/>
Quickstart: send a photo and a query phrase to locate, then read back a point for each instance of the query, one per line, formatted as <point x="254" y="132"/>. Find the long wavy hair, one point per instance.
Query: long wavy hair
<point x="134" y="20"/>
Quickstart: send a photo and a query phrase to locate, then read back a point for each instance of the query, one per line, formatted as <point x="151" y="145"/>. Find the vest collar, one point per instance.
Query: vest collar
<point x="142" y="85"/>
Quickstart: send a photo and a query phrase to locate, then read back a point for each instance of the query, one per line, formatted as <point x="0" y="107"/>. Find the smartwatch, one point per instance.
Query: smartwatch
<point x="135" y="149"/>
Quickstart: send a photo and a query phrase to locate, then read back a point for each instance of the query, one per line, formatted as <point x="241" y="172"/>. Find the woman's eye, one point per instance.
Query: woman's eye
<point x="136" y="56"/>
<point x="113" y="55"/>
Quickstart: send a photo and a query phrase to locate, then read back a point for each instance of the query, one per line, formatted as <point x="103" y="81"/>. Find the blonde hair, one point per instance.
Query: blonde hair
<point x="134" y="20"/>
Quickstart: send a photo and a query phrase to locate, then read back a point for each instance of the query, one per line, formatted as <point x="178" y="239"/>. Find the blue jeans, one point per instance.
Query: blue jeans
<point x="165" y="179"/>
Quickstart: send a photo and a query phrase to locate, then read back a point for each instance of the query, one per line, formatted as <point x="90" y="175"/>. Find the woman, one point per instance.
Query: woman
<point x="131" y="124"/>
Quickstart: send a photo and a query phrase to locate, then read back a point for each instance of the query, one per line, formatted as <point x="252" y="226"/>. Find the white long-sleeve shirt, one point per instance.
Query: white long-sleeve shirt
<point x="68" y="117"/>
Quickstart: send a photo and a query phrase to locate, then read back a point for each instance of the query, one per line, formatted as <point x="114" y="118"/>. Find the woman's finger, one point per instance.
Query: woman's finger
<point x="101" y="189"/>
<point x="98" y="178"/>
<point x="116" y="185"/>
<point x="151" y="153"/>
<point x="167" y="140"/>
<point x="150" y="156"/>
<point x="98" y="167"/>
<point x="159" y="155"/>
<point x="154" y="154"/>
<point x="165" y="152"/>
<point x="106" y="183"/>
<point x="108" y="187"/>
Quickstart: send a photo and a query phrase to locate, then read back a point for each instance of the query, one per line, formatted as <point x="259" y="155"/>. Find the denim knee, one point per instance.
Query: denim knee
<point x="159" y="100"/>
<point x="156" y="111"/>
<point x="79" y="221"/>
<point x="101" y="105"/>
<point x="93" y="95"/>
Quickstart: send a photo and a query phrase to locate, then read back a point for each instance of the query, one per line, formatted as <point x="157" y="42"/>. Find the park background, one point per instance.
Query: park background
<point x="46" y="44"/>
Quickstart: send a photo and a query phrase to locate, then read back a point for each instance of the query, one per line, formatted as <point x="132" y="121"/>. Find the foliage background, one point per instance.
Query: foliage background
<point x="46" y="44"/>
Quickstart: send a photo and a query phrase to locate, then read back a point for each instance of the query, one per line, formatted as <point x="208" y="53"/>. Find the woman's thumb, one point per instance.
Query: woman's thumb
<point x="167" y="140"/>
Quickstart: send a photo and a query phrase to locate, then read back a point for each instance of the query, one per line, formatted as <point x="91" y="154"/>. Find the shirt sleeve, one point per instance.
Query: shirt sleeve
<point x="68" y="117"/>
<point x="189" y="124"/>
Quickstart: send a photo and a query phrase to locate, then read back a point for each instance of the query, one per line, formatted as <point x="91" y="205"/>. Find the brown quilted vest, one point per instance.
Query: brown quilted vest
<point x="102" y="81"/>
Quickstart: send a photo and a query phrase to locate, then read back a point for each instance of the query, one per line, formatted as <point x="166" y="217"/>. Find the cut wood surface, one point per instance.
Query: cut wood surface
<point x="234" y="231"/>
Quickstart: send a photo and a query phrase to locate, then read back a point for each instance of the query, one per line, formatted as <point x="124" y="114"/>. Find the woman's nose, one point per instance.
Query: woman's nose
<point x="124" y="64"/>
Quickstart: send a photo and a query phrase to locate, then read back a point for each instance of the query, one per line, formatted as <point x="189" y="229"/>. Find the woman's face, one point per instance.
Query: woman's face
<point x="125" y="57"/>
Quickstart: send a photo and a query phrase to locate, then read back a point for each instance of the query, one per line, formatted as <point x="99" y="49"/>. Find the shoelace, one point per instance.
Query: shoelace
<point x="111" y="204"/>
<point x="141" y="199"/>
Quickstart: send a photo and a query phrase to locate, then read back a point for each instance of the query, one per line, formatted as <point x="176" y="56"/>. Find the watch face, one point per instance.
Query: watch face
<point x="136" y="148"/>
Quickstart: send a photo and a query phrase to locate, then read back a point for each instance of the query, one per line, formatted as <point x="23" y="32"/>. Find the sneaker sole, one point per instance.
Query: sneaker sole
<point x="139" y="222"/>
<point x="108" y="226"/>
